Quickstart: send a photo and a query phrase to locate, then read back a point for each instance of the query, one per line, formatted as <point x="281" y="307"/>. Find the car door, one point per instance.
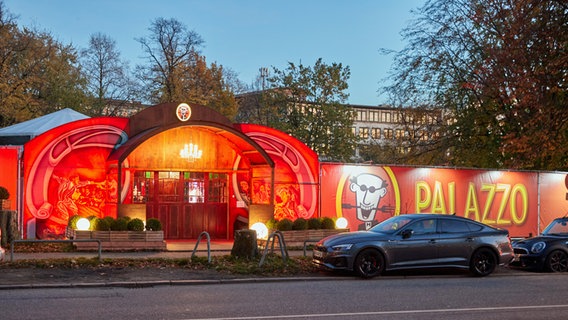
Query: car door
<point x="456" y="242"/>
<point x="415" y="245"/>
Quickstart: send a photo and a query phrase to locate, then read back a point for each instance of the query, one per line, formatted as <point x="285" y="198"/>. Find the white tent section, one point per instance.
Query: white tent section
<point x="23" y="132"/>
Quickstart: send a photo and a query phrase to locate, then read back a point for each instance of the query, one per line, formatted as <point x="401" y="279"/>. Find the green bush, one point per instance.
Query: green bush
<point x="284" y="225"/>
<point x="120" y="224"/>
<point x="327" y="223"/>
<point x="4" y="194"/>
<point x="314" y="223"/>
<point x="72" y="223"/>
<point x="271" y="224"/>
<point x="99" y="224"/>
<point x="300" y="224"/>
<point x="109" y="219"/>
<point x="135" y="225"/>
<point x="153" y="224"/>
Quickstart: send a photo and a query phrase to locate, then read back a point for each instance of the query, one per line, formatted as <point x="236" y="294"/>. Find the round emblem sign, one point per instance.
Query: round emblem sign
<point x="183" y="112"/>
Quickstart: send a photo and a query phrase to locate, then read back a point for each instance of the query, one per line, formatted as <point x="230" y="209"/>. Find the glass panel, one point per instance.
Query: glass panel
<point x="217" y="188"/>
<point x="141" y="187"/>
<point x="168" y="187"/>
<point x="194" y="187"/>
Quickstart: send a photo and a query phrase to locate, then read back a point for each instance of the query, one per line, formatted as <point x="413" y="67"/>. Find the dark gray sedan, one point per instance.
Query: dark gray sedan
<point x="413" y="241"/>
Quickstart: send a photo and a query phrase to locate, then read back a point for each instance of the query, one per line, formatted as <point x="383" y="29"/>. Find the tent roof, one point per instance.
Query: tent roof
<point x="37" y="126"/>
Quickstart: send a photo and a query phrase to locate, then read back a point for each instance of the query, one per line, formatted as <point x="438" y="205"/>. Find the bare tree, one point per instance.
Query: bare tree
<point x="109" y="83"/>
<point x="169" y="50"/>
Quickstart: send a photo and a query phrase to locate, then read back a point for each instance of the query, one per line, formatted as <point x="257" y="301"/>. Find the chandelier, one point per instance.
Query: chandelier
<point x="191" y="152"/>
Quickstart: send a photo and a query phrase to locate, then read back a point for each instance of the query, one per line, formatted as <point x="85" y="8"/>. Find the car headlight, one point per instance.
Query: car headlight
<point x="538" y="247"/>
<point x="342" y="247"/>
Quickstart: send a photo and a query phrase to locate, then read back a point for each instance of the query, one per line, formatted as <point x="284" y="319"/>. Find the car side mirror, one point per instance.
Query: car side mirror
<point x="406" y="233"/>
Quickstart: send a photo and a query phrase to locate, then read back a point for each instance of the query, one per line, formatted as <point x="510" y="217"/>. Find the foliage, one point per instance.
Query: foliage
<point x="284" y="225"/>
<point x="153" y="224"/>
<point x="177" y="72"/>
<point x="99" y="224"/>
<point x="4" y="193"/>
<point x="135" y="224"/>
<point x="497" y="69"/>
<point x="300" y="224"/>
<point x="38" y="74"/>
<point x="314" y="223"/>
<point x="327" y="223"/>
<point x="108" y="77"/>
<point x="120" y="224"/>
<point x="72" y="222"/>
<point x="308" y="103"/>
<point x="271" y="224"/>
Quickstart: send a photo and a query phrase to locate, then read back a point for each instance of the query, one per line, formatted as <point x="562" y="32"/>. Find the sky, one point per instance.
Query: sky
<point x="245" y="35"/>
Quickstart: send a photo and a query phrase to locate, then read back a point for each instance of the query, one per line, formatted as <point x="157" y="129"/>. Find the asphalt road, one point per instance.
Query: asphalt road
<point x="422" y="296"/>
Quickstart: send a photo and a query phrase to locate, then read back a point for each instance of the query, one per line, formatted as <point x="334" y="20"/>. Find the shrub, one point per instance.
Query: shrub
<point x="272" y="224"/>
<point x="300" y="224"/>
<point x="4" y="194"/>
<point x="109" y="220"/>
<point x="153" y="224"/>
<point x="135" y="225"/>
<point x="314" y="223"/>
<point x="98" y="224"/>
<point x="327" y="223"/>
<point x="284" y="225"/>
<point x="120" y="224"/>
<point x="72" y="223"/>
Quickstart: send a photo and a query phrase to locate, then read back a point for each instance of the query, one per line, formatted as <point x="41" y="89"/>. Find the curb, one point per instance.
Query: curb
<point x="152" y="283"/>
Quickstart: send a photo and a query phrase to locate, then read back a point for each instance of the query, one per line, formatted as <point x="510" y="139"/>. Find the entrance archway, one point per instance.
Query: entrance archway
<point x="188" y="195"/>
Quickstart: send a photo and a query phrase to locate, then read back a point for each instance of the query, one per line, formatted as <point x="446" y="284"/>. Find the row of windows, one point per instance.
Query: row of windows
<point x="378" y="133"/>
<point x="394" y="116"/>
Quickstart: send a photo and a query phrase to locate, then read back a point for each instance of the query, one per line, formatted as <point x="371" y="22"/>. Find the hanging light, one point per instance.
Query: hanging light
<point x="191" y="152"/>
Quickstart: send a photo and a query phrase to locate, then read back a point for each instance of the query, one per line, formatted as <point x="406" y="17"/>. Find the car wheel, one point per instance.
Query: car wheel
<point x="483" y="262"/>
<point x="369" y="263"/>
<point x="557" y="261"/>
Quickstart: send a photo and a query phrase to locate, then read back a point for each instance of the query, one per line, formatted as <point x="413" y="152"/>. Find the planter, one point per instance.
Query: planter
<point x="296" y="238"/>
<point x="121" y="240"/>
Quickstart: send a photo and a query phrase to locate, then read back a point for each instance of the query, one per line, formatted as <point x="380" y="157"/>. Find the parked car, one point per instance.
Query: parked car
<point x="413" y="241"/>
<point x="547" y="252"/>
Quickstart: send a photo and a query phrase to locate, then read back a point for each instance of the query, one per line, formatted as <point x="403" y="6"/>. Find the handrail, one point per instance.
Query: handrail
<point x="282" y="244"/>
<point x="53" y="241"/>
<point x="204" y="233"/>
<point x="306" y="242"/>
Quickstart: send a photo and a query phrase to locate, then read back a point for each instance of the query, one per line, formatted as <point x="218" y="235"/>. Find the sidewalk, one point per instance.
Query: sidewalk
<point x="45" y="277"/>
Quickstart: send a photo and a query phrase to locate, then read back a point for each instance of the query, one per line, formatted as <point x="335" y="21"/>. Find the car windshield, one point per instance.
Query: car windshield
<point x="391" y="225"/>
<point x="559" y="226"/>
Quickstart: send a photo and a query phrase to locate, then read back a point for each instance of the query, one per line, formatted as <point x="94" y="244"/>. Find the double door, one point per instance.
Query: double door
<point x="187" y="203"/>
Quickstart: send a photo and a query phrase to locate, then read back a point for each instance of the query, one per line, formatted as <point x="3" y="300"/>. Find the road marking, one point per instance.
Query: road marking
<point x="394" y="312"/>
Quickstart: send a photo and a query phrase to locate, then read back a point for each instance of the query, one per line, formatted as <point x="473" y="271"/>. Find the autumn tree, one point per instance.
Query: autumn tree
<point x="110" y="86"/>
<point x="498" y="69"/>
<point x="38" y="75"/>
<point x="309" y="103"/>
<point x="177" y="72"/>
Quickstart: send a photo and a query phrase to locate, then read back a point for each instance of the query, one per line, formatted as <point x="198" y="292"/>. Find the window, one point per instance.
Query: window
<point x="374" y="116"/>
<point x="376" y="133"/>
<point x="385" y="116"/>
<point x="142" y="187"/>
<point x="388" y="133"/>
<point x="362" y="115"/>
<point x="453" y="226"/>
<point x="363" y="133"/>
<point x="217" y="188"/>
<point x="194" y="187"/>
<point x="399" y="134"/>
<point x="427" y="226"/>
<point x="168" y="186"/>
